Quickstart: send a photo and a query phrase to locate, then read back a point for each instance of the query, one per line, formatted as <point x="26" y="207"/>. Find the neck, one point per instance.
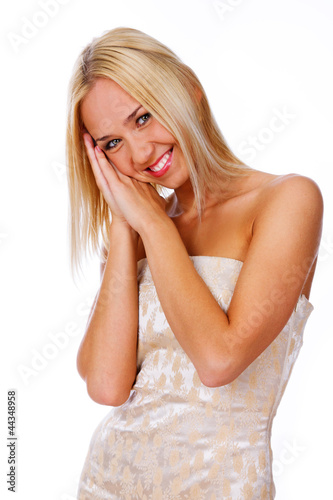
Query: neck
<point x="183" y="202"/>
<point x="184" y="199"/>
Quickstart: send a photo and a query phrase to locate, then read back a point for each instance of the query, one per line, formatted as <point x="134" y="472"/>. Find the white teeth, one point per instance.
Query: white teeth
<point x="161" y="163"/>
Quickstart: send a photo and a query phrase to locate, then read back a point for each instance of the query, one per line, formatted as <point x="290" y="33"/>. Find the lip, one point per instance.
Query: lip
<point x="166" y="166"/>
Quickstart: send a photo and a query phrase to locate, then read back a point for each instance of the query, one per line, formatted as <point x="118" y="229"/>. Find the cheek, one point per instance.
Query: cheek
<point x="161" y="133"/>
<point x="120" y="161"/>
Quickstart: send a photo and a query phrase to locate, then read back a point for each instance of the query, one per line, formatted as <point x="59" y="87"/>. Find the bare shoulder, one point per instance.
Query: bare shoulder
<point x="290" y="214"/>
<point x="296" y="183"/>
<point x="285" y="232"/>
<point x="292" y="194"/>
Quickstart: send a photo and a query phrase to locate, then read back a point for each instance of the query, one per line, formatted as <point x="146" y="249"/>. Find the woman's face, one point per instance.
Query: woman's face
<point x="132" y="139"/>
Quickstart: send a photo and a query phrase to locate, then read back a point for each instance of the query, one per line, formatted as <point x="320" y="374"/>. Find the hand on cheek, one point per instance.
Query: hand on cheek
<point x="129" y="199"/>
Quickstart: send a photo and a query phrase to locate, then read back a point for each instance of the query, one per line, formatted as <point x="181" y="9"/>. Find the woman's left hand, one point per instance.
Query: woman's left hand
<point x="138" y="201"/>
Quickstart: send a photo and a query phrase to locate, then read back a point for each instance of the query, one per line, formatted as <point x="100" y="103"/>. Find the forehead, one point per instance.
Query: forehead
<point x="107" y="104"/>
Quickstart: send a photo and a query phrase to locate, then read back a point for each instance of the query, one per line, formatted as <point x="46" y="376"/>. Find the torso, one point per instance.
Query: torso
<point x="225" y="229"/>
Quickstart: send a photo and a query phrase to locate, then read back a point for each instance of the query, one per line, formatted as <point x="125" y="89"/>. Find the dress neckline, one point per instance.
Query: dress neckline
<point x="301" y="298"/>
<point x="207" y="257"/>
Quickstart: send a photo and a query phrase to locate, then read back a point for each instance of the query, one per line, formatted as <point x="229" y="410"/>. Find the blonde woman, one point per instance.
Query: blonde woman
<point x="204" y="294"/>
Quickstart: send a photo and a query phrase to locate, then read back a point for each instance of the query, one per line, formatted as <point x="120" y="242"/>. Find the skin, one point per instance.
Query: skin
<point x="271" y="223"/>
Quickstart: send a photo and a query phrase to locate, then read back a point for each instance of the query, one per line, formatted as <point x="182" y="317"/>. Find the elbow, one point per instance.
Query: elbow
<point x="103" y="387"/>
<point x="219" y="372"/>
<point x="104" y="394"/>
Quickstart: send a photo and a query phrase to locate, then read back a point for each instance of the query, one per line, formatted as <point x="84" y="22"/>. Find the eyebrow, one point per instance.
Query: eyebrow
<point x="128" y="119"/>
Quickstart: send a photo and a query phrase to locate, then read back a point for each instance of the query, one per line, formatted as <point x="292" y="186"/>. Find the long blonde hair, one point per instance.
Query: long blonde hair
<point x="152" y="74"/>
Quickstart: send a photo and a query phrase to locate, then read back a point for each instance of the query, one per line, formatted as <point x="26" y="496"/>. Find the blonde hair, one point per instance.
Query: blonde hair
<point x="152" y="74"/>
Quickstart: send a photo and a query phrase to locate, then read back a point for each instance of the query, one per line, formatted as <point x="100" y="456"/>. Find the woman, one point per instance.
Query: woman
<point x="204" y="294"/>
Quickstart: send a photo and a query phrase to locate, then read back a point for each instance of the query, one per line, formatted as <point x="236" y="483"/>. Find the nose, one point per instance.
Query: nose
<point x="142" y="152"/>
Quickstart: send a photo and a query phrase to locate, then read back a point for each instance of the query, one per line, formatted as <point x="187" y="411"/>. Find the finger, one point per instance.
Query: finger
<point x="88" y="140"/>
<point x="120" y="175"/>
<point x="96" y="158"/>
<point x="101" y="181"/>
<point x="105" y="166"/>
<point x="126" y="178"/>
<point x="90" y="148"/>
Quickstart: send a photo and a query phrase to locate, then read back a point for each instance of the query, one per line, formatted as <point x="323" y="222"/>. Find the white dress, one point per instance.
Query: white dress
<point x="174" y="438"/>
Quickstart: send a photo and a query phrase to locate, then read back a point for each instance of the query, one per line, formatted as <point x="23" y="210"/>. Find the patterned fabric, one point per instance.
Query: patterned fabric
<point x="174" y="438"/>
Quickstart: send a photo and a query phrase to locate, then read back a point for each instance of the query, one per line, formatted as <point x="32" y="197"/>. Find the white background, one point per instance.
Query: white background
<point x="255" y="58"/>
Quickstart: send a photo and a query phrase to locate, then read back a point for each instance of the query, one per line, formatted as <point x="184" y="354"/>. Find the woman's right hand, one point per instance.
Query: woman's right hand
<point x="101" y="181"/>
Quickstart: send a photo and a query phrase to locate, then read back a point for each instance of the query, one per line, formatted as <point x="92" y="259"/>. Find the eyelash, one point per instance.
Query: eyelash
<point x="108" y="147"/>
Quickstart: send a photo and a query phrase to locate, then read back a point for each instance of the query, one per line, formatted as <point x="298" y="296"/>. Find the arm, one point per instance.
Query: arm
<point x="283" y="249"/>
<point x="107" y="355"/>
<point x="285" y="240"/>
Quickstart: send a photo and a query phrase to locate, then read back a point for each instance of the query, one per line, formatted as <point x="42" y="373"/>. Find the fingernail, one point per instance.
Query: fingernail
<point x="98" y="149"/>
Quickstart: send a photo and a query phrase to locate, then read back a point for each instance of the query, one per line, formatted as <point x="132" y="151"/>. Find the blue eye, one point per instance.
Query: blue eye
<point x="112" y="144"/>
<point x="143" y="119"/>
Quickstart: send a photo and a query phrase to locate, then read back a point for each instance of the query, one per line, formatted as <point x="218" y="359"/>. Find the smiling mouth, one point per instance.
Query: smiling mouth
<point x="162" y="162"/>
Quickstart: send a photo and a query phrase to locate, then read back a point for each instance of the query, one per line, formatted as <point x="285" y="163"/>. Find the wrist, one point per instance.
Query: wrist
<point x="158" y="229"/>
<point x="123" y="240"/>
<point x="122" y="229"/>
